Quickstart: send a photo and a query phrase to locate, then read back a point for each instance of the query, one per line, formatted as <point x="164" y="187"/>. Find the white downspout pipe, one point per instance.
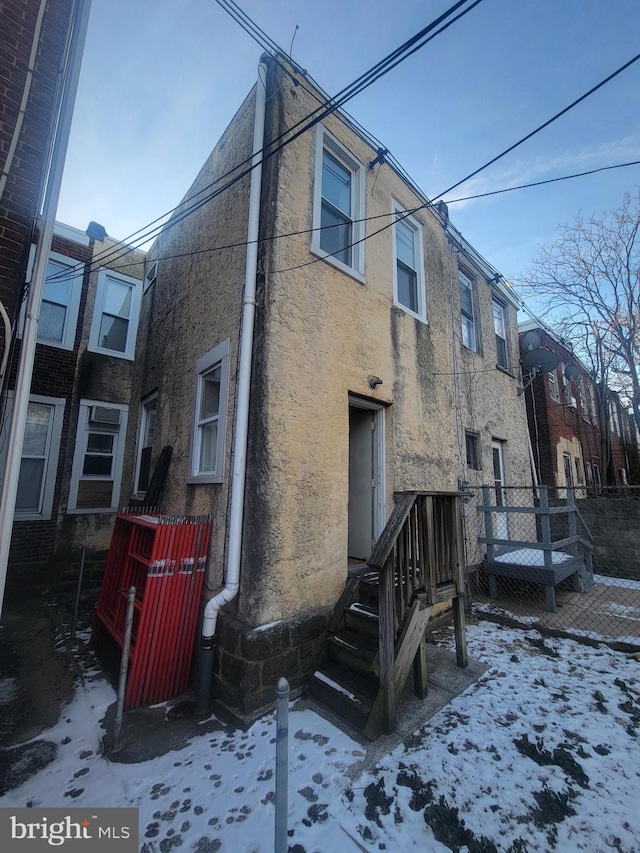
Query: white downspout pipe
<point x="30" y="334"/>
<point x="236" y="515"/>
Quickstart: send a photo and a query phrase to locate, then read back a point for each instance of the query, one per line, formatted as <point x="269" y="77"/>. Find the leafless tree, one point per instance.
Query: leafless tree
<point x="588" y="283"/>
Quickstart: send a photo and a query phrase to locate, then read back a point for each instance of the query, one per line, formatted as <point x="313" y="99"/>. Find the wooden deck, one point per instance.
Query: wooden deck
<point x="609" y="611"/>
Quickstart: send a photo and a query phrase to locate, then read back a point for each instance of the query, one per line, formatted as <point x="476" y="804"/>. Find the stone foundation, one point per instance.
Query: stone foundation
<point x="249" y="661"/>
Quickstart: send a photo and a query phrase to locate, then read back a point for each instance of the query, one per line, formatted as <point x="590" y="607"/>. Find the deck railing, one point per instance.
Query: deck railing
<point x="420" y="551"/>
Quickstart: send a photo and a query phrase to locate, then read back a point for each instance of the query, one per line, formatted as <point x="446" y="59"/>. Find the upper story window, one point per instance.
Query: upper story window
<point x="500" y="326"/>
<point x="467" y="311"/>
<point x="115" y="316"/>
<point x="150" y="276"/>
<point x="207" y="445"/>
<point x="60" y="300"/>
<point x="554" y="393"/>
<point x="408" y="272"/>
<point x="338" y="205"/>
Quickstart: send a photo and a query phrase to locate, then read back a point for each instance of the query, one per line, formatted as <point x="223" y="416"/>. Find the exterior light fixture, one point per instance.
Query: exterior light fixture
<point x="374" y="381"/>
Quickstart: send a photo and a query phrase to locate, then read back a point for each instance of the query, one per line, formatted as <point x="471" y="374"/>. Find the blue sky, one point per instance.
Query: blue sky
<point x="161" y="79"/>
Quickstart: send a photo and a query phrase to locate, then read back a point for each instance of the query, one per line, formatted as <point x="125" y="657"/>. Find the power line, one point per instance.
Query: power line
<point x="243" y="243"/>
<point x="429" y="204"/>
<point x="327" y="108"/>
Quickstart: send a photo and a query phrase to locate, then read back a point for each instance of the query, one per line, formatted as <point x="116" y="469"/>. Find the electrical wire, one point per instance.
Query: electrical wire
<point x="66" y="275"/>
<point x="325" y="109"/>
<point x="430" y="203"/>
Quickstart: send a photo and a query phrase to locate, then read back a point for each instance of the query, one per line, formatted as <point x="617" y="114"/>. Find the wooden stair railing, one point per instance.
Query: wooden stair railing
<point x="417" y="562"/>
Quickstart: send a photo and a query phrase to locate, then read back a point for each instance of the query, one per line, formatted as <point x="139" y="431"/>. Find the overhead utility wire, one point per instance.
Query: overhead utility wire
<point x="313" y="118"/>
<point x="243" y="243"/>
<point x="429" y="204"/>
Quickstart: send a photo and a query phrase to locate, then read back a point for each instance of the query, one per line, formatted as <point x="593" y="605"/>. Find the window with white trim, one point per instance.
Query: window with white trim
<point x="40" y="452"/>
<point x="554" y="391"/>
<point x="500" y="327"/>
<point x="408" y="271"/>
<point x="150" y="276"/>
<point x="467" y="311"/>
<point x="338" y="205"/>
<point x="97" y="463"/>
<point x="210" y="410"/>
<point x="146" y="437"/>
<point x="58" y="319"/>
<point x="115" y="315"/>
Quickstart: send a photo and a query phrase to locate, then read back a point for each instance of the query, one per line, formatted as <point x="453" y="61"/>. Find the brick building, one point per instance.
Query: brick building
<point x="576" y="437"/>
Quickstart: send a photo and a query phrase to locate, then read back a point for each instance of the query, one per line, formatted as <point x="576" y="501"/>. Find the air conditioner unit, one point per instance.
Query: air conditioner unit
<point x="104" y="415"/>
<point x="572" y="403"/>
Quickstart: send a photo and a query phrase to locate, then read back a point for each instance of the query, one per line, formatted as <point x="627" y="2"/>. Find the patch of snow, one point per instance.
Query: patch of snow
<point x="267" y="626"/>
<point x="532" y="557"/>
<point x="623" y="583"/>
<point x="541" y="697"/>
<point x="335" y="686"/>
<point x="8" y="690"/>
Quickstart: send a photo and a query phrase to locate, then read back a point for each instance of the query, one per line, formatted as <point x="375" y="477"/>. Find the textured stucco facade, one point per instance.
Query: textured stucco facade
<point x="321" y="334"/>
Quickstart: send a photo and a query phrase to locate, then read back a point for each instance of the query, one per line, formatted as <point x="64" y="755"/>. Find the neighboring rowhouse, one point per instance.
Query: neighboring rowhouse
<point x="572" y="443"/>
<point x="379" y="366"/>
<point x="69" y="486"/>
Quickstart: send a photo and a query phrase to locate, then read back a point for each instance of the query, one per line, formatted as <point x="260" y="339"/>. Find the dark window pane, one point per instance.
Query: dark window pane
<point x="113" y="333"/>
<point x="501" y="348"/>
<point x="99" y="443"/>
<point x="407" y="287"/>
<point x="208" y="447"/>
<point x="36" y="430"/>
<point x="145" y="469"/>
<point x="96" y="466"/>
<point x="336" y="240"/>
<point x="30" y="485"/>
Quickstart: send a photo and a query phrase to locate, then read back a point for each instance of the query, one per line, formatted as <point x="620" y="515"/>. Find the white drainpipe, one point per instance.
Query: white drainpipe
<point x="230" y="590"/>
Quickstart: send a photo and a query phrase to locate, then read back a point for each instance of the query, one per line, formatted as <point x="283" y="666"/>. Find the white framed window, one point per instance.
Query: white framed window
<point x="409" y="292"/>
<point x="97" y="463"/>
<point x="58" y="319"/>
<point x="146" y="436"/>
<point x="115" y="315"/>
<point x="40" y="453"/>
<point x="554" y="392"/>
<point x="210" y="410"/>
<point x="338" y="205"/>
<point x="467" y="311"/>
<point x="614" y="422"/>
<point x="150" y="276"/>
<point x="472" y="446"/>
<point x="500" y="327"/>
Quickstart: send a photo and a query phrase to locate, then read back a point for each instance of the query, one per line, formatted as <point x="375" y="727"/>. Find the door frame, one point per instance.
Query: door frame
<point x="380" y="514"/>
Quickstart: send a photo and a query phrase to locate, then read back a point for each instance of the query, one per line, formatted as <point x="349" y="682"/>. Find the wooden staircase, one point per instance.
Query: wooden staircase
<point x="377" y="631"/>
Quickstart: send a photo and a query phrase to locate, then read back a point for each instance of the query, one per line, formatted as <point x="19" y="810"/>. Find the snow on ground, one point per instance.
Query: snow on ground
<point x="541" y="754"/>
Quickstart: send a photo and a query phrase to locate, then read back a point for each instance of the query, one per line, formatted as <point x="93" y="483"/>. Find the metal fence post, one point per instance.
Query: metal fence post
<point x="282" y="764"/>
<point x="74" y="622"/>
<point x="124" y="666"/>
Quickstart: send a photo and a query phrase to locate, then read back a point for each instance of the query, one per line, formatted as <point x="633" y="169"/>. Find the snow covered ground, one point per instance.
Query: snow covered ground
<point x="541" y="754"/>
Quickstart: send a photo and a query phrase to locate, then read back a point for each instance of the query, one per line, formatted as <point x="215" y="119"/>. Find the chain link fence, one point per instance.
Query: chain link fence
<point x="564" y="560"/>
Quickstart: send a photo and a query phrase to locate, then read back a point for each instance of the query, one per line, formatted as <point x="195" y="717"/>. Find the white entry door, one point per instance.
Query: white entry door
<point x="366" y="491"/>
<point x="500" y="522"/>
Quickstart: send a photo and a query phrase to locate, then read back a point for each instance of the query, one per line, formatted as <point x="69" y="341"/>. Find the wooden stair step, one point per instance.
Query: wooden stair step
<point x="363" y="618"/>
<point x="349" y="694"/>
<point x="353" y="649"/>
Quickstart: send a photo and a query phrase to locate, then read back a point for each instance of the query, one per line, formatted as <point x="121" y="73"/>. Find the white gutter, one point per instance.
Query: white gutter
<point x="27" y="352"/>
<point x="230" y="590"/>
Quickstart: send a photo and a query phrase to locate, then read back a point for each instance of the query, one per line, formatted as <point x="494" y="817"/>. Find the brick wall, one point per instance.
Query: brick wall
<point x="21" y="196"/>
